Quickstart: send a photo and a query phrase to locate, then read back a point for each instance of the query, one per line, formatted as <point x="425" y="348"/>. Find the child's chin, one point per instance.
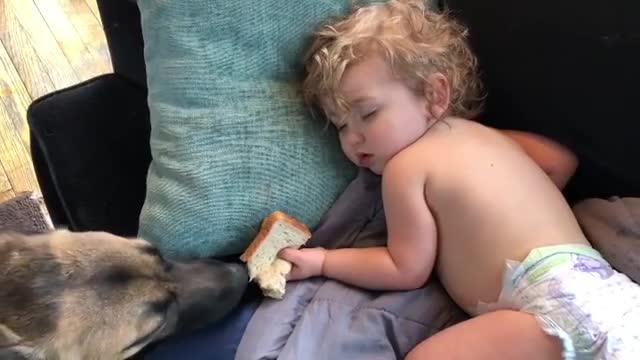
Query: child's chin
<point x="375" y="170"/>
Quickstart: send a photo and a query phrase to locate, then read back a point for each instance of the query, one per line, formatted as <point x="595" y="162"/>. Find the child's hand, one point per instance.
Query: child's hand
<point x="306" y="262"/>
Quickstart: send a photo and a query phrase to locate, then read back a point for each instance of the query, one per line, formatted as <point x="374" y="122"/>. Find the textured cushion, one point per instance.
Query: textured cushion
<point x="231" y="140"/>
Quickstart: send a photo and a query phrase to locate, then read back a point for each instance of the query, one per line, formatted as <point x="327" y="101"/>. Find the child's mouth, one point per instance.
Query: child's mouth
<point x="365" y="160"/>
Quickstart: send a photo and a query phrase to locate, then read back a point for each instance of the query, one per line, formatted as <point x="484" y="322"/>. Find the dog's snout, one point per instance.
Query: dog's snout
<point x="208" y="289"/>
<point x="238" y="272"/>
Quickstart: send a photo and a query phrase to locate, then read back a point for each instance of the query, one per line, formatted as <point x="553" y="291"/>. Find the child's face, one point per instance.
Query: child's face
<point x="386" y="116"/>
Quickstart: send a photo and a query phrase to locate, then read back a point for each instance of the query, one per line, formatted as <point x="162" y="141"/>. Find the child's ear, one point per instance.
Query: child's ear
<point x="438" y="94"/>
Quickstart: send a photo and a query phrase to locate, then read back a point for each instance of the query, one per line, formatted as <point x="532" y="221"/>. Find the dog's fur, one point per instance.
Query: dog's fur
<point x="94" y="295"/>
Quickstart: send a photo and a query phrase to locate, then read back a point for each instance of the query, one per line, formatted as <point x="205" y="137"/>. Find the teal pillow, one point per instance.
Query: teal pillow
<point x="231" y="138"/>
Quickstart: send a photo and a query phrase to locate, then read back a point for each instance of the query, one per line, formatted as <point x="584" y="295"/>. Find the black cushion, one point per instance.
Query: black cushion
<point x="569" y="70"/>
<point x="123" y="31"/>
<point x="90" y="146"/>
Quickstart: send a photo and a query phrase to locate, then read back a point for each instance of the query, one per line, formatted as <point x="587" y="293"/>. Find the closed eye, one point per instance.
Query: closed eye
<point x="369" y="115"/>
<point x="150" y="250"/>
<point x="153" y="251"/>
<point x="116" y="276"/>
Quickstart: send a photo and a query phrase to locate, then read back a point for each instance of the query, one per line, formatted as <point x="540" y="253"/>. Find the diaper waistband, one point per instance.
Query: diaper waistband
<point x="541" y="260"/>
<point x="538" y="263"/>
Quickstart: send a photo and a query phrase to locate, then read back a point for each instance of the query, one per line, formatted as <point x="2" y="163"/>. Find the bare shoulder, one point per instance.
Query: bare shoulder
<point x="458" y="133"/>
<point x="443" y="138"/>
<point x="409" y="165"/>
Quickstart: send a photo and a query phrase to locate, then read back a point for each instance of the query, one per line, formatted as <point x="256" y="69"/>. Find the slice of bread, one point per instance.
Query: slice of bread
<point x="277" y="232"/>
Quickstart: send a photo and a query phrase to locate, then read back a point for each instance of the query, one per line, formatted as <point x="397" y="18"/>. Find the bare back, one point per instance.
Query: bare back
<point x="491" y="203"/>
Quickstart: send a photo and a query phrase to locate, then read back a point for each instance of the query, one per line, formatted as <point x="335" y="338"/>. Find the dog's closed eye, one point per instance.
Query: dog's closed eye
<point x="152" y="251"/>
<point x="116" y="276"/>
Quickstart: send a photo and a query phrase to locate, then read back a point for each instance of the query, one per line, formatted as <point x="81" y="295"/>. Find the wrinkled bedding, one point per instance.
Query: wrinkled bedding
<point x="613" y="228"/>
<point x="325" y="319"/>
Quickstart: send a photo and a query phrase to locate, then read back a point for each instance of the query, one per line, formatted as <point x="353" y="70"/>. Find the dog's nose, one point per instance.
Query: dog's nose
<point x="207" y="291"/>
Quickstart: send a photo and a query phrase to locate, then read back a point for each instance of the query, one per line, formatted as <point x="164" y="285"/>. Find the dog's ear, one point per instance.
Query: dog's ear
<point x="9" y="345"/>
<point x="7" y="337"/>
<point x="12" y="354"/>
<point x="10" y="348"/>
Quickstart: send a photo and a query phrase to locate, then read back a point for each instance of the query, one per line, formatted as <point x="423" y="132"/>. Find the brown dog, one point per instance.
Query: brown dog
<point x="94" y="295"/>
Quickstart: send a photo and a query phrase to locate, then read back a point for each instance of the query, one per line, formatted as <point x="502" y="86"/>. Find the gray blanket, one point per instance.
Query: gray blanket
<point x="325" y="319"/>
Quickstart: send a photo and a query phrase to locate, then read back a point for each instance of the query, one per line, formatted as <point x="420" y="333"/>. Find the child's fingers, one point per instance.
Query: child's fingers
<point x="290" y="255"/>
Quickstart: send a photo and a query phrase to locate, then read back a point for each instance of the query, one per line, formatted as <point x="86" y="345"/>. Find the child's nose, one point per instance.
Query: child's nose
<point x="355" y="138"/>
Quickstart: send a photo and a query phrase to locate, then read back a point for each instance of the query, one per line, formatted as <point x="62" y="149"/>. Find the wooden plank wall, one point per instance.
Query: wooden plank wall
<point x="45" y="45"/>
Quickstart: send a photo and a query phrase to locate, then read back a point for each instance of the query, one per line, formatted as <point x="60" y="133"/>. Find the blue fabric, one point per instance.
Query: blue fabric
<point x="231" y="139"/>
<point x="219" y="341"/>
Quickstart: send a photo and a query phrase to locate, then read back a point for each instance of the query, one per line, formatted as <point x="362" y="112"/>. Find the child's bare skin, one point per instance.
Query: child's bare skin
<point x="489" y="199"/>
<point x="461" y="199"/>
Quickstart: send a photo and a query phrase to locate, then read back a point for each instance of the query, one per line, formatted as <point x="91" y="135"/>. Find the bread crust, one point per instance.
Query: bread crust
<point x="267" y="223"/>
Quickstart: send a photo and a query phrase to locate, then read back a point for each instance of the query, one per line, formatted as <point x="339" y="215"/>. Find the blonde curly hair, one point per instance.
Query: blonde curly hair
<point x="414" y="41"/>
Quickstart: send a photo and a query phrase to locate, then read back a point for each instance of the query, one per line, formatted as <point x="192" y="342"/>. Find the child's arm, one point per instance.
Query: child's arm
<point x="556" y="160"/>
<point x="406" y="262"/>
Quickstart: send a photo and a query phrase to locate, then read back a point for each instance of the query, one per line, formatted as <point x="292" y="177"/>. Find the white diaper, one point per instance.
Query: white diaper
<point x="578" y="297"/>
